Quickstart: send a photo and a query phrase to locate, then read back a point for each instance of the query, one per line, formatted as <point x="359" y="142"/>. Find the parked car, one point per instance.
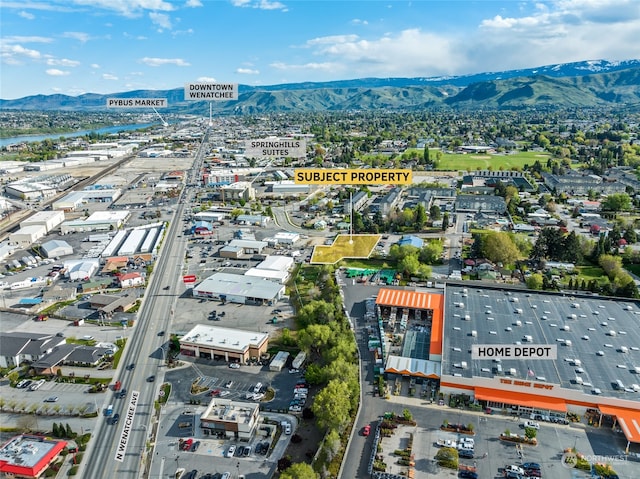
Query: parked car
<point x="234" y="365"/>
<point x="247" y="451"/>
<point x="532" y="424"/>
<point x="231" y="450"/>
<point x="51" y="399"/>
<point x="195" y="446"/>
<point x="468" y="474"/>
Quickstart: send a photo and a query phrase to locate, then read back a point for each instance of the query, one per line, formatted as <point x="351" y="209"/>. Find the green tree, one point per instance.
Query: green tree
<point x="445" y="221"/>
<point x="332" y="406"/>
<point x="571" y="251"/>
<point x="499" y="247"/>
<point x="431" y="252"/>
<point x="534" y="281"/>
<point x="617" y="202"/>
<point x="610" y="264"/>
<point x="530" y="432"/>
<point x="409" y="265"/>
<point x="314" y="338"/>
<point x="425" y="155"/>
<point x="421" y="217"/>
<point x="434" y="213"/>
<point x="299" y="470"/>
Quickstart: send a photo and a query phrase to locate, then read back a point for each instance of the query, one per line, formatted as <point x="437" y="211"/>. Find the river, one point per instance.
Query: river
<point x="109" y="129"/>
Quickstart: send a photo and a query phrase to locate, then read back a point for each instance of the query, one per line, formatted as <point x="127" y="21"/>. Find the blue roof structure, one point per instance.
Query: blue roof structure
<point x="410" y="240"/>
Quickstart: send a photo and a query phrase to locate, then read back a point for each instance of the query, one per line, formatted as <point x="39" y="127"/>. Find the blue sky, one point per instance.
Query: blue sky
<point x="108" y="46"/>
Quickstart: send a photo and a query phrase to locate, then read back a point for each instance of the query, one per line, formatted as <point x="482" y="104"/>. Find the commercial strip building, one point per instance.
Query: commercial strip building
<point x="234" y="288"/>
<point x="597" y="369"/>
<point x="232" y="345"/>
<point x="230" y="419"/>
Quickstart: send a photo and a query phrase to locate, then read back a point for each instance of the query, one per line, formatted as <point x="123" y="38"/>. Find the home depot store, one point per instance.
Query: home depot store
<point x="493" y="316"/>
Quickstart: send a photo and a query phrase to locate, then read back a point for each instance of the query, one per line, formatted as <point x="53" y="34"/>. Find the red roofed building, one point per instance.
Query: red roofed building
<point x="130" y="280"/>
<point x="28" y="456"/>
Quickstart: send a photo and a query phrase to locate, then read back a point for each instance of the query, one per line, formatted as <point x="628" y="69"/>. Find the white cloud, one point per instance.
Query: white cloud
<point x="108" y="76"/>
<point x="160" y="19"/>
<point x="247" y="71"/>
<point x="25" y="39"/>
<point x="156" y="62"/>
<point x="357" y="21"/>
<point x="128" y="8"/>
<point x="95" y="65"/>
<point x="14" y="54"/>
<point x="260" y="4"/>
<point x="80" y="36"/>
<point x="193" y="3"/>
<point x="330" y="40"/>
<point x="54" y="72"/>
<point x="306" y="66"/>
<point x="206" y="79"/>
<point x="62" y="62"/>
<point x="545" y="33"/>
<point x="27" y="15"/>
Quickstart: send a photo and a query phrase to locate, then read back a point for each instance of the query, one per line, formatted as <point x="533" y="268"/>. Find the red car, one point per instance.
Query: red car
<point x="215" y="393"/>
<point x="366" y="430"/>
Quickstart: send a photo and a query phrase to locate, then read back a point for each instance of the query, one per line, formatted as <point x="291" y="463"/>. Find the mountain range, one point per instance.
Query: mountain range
<point x="596" y="83"/>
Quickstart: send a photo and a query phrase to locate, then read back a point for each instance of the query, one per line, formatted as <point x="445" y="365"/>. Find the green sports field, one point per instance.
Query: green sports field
<point x="470" y="162"/>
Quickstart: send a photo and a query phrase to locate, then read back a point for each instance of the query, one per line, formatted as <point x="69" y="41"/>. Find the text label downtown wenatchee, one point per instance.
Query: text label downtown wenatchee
<point x="311" y="176"/>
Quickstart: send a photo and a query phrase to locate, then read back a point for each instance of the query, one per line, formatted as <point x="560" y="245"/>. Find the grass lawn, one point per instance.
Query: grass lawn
<point x="633" y="268"/>
<point x="589" y="273"/>
<point x="470" y="162"/>
<point x="361" y="247"/>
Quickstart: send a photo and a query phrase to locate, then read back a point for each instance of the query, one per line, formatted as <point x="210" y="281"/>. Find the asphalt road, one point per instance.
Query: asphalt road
<point x="147" y="350"/>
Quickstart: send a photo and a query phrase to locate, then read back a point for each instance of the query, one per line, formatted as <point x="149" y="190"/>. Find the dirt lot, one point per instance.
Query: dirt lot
<point x="305" y="450"/>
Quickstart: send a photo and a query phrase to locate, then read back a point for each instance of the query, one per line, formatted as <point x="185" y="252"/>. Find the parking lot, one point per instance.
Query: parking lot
<point x="597" y="444"/>
<point x="181" y="443"/>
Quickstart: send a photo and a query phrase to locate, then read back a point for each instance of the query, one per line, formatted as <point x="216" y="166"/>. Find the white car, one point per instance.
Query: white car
<point x="532" y="424"/>
<point x="234" y="366"/>
<point x="231" y="450"/>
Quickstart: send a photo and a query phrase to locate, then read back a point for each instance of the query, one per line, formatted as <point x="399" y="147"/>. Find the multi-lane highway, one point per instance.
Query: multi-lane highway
<point x="120" y="450"/>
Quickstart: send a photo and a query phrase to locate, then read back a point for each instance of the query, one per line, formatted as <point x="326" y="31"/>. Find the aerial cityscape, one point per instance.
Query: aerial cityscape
<point x="371" y="260"/>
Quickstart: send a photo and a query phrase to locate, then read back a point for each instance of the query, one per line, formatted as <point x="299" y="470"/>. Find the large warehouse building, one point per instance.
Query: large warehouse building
<point x="596" y="371"/>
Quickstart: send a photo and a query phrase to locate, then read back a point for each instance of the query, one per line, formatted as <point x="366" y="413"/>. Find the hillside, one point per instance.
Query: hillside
<point x="556" y="86"/>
